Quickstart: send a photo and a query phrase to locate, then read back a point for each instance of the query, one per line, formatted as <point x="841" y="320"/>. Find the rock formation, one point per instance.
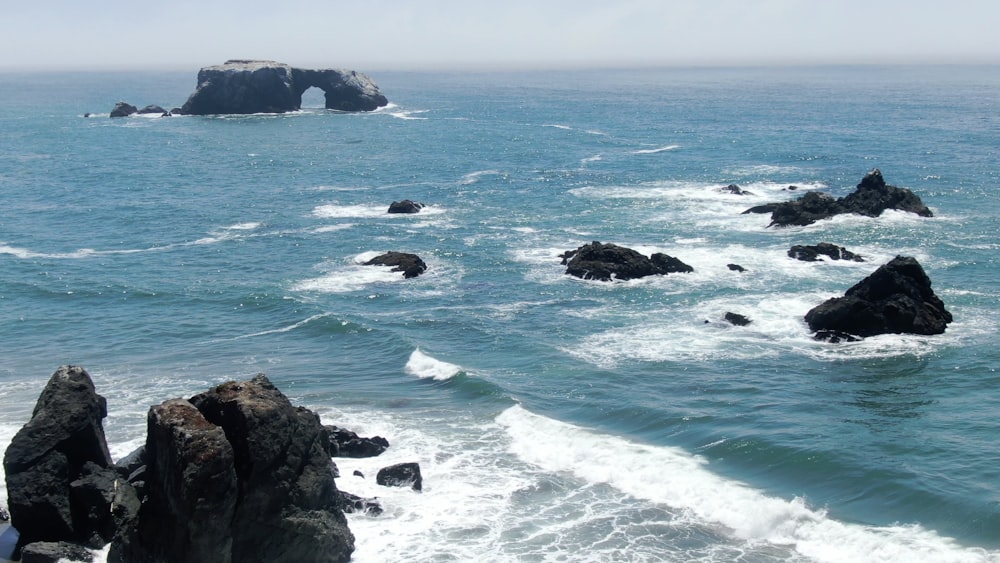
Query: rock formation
<point x="405" y="206"/>
<point x="410" y="264"/>
<point x="248" y="86"/>
<point x="345" y="443"/>
<point x="604" y="262"/>
<point x="897" y="298"/>
<point x="737" y="319"/>
<point x="401" y="475"/>
<point x="123" y="109"/>
<point x="812" y="253"/>
<point x="59" y="483"/>
<point x="871" y="198"/>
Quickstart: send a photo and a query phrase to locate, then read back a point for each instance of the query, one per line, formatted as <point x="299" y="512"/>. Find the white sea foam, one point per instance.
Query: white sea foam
<point x="371" y="211"/>
<point x="352" y="276"/>
<point x="557" y="126"/>
<point x="473" y="177"/>
<point x="682" y="481"/>
<point x="425" y="367"/>
<point x="595" y="158"/>
<point x="657" y="150"/>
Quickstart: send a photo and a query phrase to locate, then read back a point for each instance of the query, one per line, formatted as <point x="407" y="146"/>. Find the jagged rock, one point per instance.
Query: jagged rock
<point x="127" y="465"/>
<point x="896" y="298"/>
<point x="401" y="475"/>
<point x="123" y="109"/>
<point x="835" y="336"/>
<point x="152" y="109"/>
<point x="250" y="86"/>
<point x="344" y="443"/>
<point x="55" y="552"/>
<point x="410" y="264"/>
<point x="238" y="474"/>
<point x="871" y="198"/>
<point x="735" y="190"/>
<point x="737" y="320"/>
<point x="353" y="503"/>
<point x="736" y="268"/>
<point x="604" y="262"/>
<point x="405" y="206"/>
<point x="104" y="501"/>
<point x="810" y="253"/>
<point x="50" y="452"/>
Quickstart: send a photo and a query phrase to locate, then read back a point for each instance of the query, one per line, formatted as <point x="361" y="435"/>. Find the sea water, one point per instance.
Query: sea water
<point x="554" y="419"/>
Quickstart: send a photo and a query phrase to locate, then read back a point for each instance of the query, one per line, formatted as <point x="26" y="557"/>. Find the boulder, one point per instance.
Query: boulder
<point x="896" y="298"/>
<point x="351" y="504"/>
<point x="61" y="444"/>
<point x="735" y="190"/>
<point x="344" y="443"/>
<point x="736" y="268"/>
<point x="123" y="109"/>
<point x="737" y="320"/>
<point x="55" y="552"/>
<point x="405" y="206"/>
<point x="604" y="262"/>
<point x="410" y="264"/>
<point x="152" y="109"/>
<point x="812" y="253"/>
<point x="252" y="86"/>
<point x="401" y="475"/>
<point x="871" y="198"/>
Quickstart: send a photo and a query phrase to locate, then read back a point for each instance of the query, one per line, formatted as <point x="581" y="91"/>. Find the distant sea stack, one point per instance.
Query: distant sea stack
<point x="251" y="86"/>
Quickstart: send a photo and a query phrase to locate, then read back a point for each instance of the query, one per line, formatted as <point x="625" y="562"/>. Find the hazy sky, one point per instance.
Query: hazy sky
<point x="402" y="34"/>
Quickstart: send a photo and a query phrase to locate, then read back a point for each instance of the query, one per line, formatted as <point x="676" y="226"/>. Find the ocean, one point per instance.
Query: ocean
<point x="554" y="419"/>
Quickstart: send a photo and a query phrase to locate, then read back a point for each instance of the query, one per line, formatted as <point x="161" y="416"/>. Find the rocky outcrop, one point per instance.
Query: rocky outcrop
<point x="896" y="298"/>
<point x="604" y="262"/>
<point x="250" y="86"/>
<point x="405" y="206"/>
<point x="812" y="253"/>
<point x="735" y="190"/>
<point x="871" y="198"/>
<point x="410" y="264"/>
<point x="401" y="475"/>
<point x="58" y="463"/>
<point x="123" y="109"/>
<point x="345" y="443"/>
<point x="737" y="319"/>
<point x="237" y="474"/>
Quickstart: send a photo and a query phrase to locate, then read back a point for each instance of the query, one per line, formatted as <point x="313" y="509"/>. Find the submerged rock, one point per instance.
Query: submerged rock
<point x="735" y="190"/>
<point x="604" y="262"/>
<point x="810" y="253"/>
<point x="410" y="264"/>
<point x="896" y="298"/>
<point x="871" y="198"/>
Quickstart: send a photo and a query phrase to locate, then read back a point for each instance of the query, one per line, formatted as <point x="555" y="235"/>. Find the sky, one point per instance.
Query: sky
<point x="499" y="34"/>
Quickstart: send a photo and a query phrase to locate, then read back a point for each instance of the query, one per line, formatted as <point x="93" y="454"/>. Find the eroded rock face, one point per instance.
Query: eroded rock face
<point x="871" y="198"/>
<point x="61" y="444"/>
<point x="604" y="262"/>
<point x="410" y="264"/>
<point x="250" y="86"/>
<point x="896" y="298"/>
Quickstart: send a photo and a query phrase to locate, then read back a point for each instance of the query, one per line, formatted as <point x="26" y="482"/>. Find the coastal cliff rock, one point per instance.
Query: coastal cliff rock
<point x="896" y="298"/>
<point x="871" y="198"/>
<point x="410" y="264"/>
<point x="604" y="262"/>
<point x="249" y="86"/>
<point x="56" y="463"/>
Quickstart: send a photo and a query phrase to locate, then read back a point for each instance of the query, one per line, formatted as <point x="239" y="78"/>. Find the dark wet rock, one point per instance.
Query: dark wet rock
<point x="896" y="298"/>
<point x="410" y="264"/>
<point x="766" y="208"/>
<point x="358" y="474"/>
<point x="251" y="86"/>
<point x="401" y="475"/>
<point x="812" y="253"/>
<point x="737" y="320"/>
<point x="123" y="109"/>
<point x="238" y="474"/>
<point x="735" y="190"/>
<point x="405" y="206"/>
<point x="55" y="552"/>
<point x="104" y="502"/>
<point x="350" y="503"/>
<point x="127" y="465"/>
<point x="871" y="198"/>
<point x="344" y="443"/>
<point x="791" y="188"/>
<point x="152" y="109"/>
<point x="736" y="268"/>
<point x="835" y="336"/>
<point x="604" y="262"/>
<point x="57" y="447"/>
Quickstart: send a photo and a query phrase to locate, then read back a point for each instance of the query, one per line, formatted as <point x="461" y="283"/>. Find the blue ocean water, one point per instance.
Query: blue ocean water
<point x="554" y="419"/>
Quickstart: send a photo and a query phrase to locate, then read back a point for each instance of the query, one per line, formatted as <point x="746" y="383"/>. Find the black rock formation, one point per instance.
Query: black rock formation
<point x="401" y="475"/>
<point x="410" y="264"/>
<point x="249" y="86"/>
<point x="344" y="443"/>
<point x="812" y="253"/>
<point x="735" y="190"/>
<point x="737" y="320"/>
<point x="56" y="552"/>
<point x="896" y="298"/>
<point x="123" y="109"/>
<point x="604" y="262"/>
<point x="405" y="206"/>
<point x="736" y="268"/>
<point x="871" y="198"/>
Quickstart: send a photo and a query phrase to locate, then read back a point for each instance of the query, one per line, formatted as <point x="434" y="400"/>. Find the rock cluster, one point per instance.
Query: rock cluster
<point x="604" y="262"/>
<point x="896" y="298"/>
<point x="871" y="198"/>
<point x="410" y="264"/>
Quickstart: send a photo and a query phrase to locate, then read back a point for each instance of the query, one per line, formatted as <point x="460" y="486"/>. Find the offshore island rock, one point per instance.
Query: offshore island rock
<point x="896" y="298"/>
<point x="405" y="206"/>
<point x="250" y="86"/>
<point x="123" y="109"/>
<point x="871" y="198"/>
<point x="410" y="264"/>
<point x="604" y="262"/>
